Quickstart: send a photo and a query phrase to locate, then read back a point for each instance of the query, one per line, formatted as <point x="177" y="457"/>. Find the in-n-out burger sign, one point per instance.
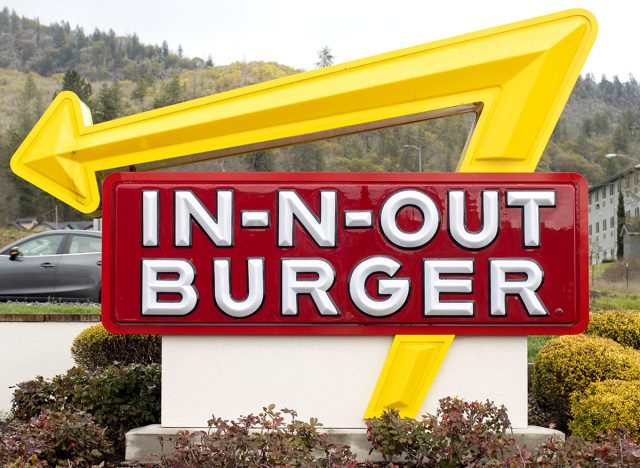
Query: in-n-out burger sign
<point x="345" y="253"/>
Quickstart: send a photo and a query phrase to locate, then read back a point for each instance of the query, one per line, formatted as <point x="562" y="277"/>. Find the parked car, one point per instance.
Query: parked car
<point x="62" y="265"/>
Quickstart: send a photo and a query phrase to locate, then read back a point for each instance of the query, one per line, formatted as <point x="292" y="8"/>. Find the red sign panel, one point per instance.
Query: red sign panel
<point x="245" y="253"/>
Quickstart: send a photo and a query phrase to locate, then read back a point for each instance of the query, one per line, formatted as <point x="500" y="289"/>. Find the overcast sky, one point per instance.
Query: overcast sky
<point x="292" y="31"/>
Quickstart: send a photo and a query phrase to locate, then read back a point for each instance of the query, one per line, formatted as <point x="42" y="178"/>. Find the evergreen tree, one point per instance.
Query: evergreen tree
<point x="170" y="93"/>
<point x="110" y="104"/>
<point x="261" y="161"/>
<point x="621" y="222"/>
<point x="325" y="58"/>
<point x="72" y="81"/>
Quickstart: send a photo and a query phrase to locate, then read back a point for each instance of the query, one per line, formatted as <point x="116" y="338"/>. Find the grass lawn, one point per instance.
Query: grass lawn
<point x="10" y="235"/>
<point x="534" y="343"/>
<point x="614" y="299"/>
<point x="48" y="308"/>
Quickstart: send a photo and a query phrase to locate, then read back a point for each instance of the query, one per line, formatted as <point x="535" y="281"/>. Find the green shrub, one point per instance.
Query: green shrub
<point x="96" y="348"/>
<point x="32" y="397"/>
<point x="571" y="363"/>
<point x="274" y="442"/>
<point x="461" y="434"/>
<point x="604" y="406"/>
<point x="621" y="326"/>
<point x="615" y="449"/>
<point x="58" y="438"/>
<point x="119" y="398"/>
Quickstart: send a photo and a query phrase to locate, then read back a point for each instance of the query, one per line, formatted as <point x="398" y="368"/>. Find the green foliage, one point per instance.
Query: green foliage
<point x="56" y="48"/>
<point x="615" y="449"/>
<point x="72" y="81"/>
<point x="621" y="326"/>
<point x="604" y="406"/>
<point x="621" y="222"/>
<point x="119" y="398"/>
<point x="54" y="438"/>
<point x="171" y="92"/>
<point x="535" y="344"/>
<point x="571" y="363"/>
<point x="602" y="300"/>
<point x="95" y="348"/>
<point x="461" y="434"/>
<point x="110" y="103"/>
<point x="274" y="442"/>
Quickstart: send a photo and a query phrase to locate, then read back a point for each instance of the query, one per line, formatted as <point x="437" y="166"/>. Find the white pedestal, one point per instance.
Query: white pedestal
<point x="328" y="377"/>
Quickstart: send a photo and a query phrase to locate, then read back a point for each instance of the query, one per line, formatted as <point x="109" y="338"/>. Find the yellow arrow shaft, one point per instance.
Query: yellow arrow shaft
<point x="278" y="110"/>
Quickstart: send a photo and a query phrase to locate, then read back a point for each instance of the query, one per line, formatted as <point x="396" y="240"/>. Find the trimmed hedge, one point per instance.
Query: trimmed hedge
<point x="96" y="348"/>
<point x="605" y="405"/>
<point x="571" y="363"/>
<point x="621" y="326"/>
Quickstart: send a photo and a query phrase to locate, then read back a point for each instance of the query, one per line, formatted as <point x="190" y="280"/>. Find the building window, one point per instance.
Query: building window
<point x="611" y="223"/>
<point x="604" y="224"/>
<point x="590" y="198"/>
<point x="637" y="211"/>
<point x="597" y="227"/>
<point x="590" y="229"/>
<point x="611" y="189"/>
<point x="597" y="195"/>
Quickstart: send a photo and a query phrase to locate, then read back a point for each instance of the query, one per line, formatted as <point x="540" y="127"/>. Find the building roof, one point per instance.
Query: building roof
<point x="614" y="177"/>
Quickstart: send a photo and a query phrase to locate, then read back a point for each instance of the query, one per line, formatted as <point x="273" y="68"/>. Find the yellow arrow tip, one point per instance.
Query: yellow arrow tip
<point x="46" y="158"/>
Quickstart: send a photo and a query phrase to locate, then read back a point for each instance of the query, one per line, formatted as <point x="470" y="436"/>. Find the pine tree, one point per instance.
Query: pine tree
<point x="621" y="222"/>
<point x="260" y="161"/>
<point x="110" y="105"/>
<point x="325" y="58"/>
<point x="72" y="81"/>
<point x="170" y="93"/>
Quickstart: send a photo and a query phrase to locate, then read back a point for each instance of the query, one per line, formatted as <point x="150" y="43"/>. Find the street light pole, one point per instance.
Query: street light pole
<point x="619" y="155"/>
<point x="419" y="149"/>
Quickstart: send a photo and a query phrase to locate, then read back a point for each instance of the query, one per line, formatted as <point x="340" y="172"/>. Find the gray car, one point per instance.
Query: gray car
<point x="55" y="264"/>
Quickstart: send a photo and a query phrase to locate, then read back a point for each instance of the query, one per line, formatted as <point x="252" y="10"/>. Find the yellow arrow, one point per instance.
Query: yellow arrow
<point x="516" y="78"/>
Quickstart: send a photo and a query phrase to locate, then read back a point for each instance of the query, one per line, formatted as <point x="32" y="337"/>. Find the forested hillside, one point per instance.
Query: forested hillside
<point x="117" y="76"/>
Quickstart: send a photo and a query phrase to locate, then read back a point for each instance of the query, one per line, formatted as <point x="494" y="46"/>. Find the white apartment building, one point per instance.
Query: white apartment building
<point x="603" y="212"/>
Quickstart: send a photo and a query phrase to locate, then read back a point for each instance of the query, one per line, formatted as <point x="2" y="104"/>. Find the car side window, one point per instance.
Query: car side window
<point x="85" y="244"/>
<point x="44" y="245"/>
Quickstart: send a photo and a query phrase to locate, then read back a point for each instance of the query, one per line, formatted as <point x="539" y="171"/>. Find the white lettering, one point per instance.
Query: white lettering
<point x="500" y="286"/>
<point x="434" y="285"/>
<point x="152" y="285"/>
<point x="317" y="288"/>
<point x="490" y="219"/>
<point x="397" y="289"/>
<point x="222" y="287"/>
<point x="188" y="206"/>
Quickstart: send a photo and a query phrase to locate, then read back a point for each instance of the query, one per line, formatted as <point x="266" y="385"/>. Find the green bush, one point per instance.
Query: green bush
<point x="571" y="363"/>
<point x="604" y="406"/>
<point x="56" y="438"/>
<point x="119" y="398"/>
<point x="615" y="449"/>
<point x="460" y="434"/>
<point x="96" y="348"/>
<point x="621" y="326"/>
<point x="267" y="439"/>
